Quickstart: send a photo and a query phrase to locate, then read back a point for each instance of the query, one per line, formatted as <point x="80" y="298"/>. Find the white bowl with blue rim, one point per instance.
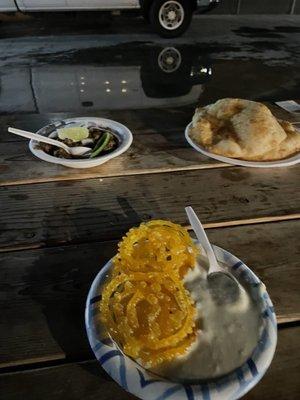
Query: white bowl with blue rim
<point x="123" y="134"/>
<point x="147" y="386"/>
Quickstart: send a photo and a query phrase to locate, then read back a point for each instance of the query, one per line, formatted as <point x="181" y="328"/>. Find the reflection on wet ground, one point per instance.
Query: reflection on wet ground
<point x="122" y="77"/>
<point x="83" y="73"/>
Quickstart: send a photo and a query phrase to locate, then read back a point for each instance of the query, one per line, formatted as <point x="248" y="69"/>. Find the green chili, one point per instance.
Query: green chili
<point x="99" y="142"/>
<point x="102" y="143"/>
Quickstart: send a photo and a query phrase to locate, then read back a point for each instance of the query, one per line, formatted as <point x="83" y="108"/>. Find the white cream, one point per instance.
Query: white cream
<point x="226" y="336"/>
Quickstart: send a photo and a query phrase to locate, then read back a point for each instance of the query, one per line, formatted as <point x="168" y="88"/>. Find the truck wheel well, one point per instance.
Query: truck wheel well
<point x="146" y="4"/>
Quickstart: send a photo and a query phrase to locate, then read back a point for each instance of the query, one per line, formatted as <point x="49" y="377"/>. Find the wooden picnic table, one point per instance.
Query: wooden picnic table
<point x="59" y="226"/>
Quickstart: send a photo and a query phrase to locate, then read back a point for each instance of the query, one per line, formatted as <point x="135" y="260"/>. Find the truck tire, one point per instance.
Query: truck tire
<point x="170" y="18"/>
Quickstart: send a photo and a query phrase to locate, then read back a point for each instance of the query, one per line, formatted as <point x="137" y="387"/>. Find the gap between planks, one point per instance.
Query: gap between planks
<point x="210" y="225"/>
<point x="85" y="176"/>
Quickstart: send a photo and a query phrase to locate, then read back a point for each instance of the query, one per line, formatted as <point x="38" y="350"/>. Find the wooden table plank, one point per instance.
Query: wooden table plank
<point x="149" y="153"/>
<point x="281" y="381"/>
<point x="161" y="148"/>
<point x="87" y="380"/>
<point x="151" y="120"/>
<point x="103" y="209"/>
<point x="44" y="291"/>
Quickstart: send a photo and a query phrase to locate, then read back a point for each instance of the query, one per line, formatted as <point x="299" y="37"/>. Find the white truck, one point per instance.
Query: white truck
<point x="169" y="18"/>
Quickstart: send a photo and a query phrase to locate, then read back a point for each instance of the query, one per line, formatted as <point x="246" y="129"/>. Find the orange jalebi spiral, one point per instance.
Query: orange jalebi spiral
<point x="144" y="321"/>
<point x="145" y="306"/>
<point x="156" y="246"/>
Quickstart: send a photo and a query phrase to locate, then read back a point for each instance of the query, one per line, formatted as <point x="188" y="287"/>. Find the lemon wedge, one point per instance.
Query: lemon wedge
<point x="76" y="133"/>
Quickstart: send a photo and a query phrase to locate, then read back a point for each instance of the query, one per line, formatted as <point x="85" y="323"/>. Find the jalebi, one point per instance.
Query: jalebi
<point x="156" y="246"/>
<point x="145" y="306"/>
<point x="144" y="320"/>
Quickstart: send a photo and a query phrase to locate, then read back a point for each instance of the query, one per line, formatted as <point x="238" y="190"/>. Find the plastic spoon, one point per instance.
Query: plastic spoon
<point x="222" y="284"/>
<point x="74" y="151"/>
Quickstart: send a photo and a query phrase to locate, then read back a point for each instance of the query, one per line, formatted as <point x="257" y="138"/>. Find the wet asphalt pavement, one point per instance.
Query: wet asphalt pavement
<point x="85" y="62"/>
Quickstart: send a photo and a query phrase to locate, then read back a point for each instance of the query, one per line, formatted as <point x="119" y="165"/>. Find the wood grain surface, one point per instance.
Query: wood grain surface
<point x="149" y="153"/>
<point x="159" y="146"/>
<point x="153" y="120"/>
<point x="88" y="381"/>
<point x="44" y="291"/>
<point x="103" y="209"/>
<point x="58" y="227"/>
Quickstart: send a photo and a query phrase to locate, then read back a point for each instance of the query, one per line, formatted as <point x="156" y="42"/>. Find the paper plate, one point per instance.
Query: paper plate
<point x="235" y="161"/>
<point x="121" y="131"/>
<point x="147" y="386"/>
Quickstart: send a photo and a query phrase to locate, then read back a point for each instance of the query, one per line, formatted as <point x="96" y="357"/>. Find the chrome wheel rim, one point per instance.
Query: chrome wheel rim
<point x="171" y="15"/>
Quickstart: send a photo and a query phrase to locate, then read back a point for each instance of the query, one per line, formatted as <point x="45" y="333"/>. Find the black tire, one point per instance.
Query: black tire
<point x="157" y="6"/>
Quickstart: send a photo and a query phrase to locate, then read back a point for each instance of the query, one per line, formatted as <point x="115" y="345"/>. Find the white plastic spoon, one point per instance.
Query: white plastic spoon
<point x="222" y="284"/>
<point x="74" y="151"/>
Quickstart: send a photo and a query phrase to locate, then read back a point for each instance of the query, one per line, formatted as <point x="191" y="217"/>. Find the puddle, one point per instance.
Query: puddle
<point x="91" y="72"/>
